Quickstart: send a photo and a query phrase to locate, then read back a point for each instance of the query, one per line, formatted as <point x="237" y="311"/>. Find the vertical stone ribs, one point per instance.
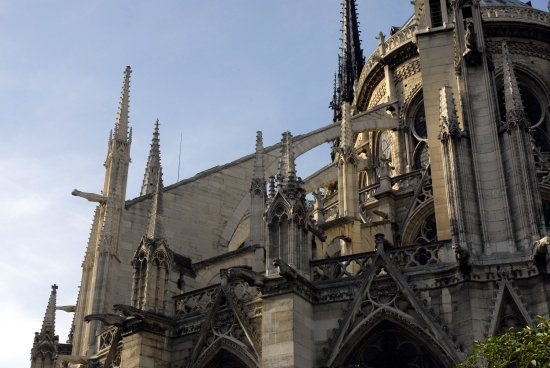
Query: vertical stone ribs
<point x="519" y="164"/>
<point x="348" y="193"/>
<point x="458" y="176"/>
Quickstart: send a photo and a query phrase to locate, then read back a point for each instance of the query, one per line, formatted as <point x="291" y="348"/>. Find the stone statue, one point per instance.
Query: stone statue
<point x="462" y="255"/>
<point x="540" y="250"/>
<point x="471" y="54"/>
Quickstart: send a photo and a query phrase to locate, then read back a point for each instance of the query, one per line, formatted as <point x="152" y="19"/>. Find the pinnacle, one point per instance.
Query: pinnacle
<point x="287" y="166"/>
<point x="121" y="127"/>
<point x="48" y="325"/>
<point x="512" y="97"/>
<point x="259" y="162"/>
<point x="155" y="229"/>
<point x="153" y="163"/>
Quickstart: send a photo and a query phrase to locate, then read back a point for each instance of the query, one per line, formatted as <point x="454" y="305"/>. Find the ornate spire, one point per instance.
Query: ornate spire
<point x="259" y="161"/>
<point x="153" y="164"/>
<point x="48" y="325"/>
<point x="515" y="114"/>
<point x="155" y="229"/>
<point x="121" y="127"/>
<point x="352" y="59"/>
<point x="287" y="168"/>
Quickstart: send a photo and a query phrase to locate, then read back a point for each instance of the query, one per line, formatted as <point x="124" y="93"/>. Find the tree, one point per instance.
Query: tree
<point x="526" y="348"/>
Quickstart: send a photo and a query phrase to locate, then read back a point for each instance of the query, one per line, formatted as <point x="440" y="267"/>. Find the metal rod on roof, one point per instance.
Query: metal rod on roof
<point x="179" y="159"/>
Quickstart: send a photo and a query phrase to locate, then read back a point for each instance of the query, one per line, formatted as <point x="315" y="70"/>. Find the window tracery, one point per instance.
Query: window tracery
<point x="384" y="145"/>
<point x="427" y="233"/>
<point x="419" y="130"/>
<point x="393" y="349"/>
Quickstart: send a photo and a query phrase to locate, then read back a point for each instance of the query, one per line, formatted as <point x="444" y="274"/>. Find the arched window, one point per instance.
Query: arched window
<point x="384" y="145"/>
<point x="427" y="232"/>
<point x="421" y="156"/>
<point x="417" y="122"/>
<point x="391" y="346"/>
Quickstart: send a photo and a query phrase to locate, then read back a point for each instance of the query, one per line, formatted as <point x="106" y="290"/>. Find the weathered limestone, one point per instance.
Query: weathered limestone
<point x="426" y="232"/>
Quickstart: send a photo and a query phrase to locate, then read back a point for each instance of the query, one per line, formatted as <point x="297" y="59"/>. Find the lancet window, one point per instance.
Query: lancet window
<point x="427" y="232"/>
<point x="417" y="123"/>
<point x="140" y="280"/>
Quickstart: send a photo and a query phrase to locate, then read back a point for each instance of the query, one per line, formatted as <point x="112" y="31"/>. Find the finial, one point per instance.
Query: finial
<point x="153" y="163"/>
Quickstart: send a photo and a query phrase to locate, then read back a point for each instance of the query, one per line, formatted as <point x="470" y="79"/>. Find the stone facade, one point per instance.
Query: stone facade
<point x="428" y="230"/>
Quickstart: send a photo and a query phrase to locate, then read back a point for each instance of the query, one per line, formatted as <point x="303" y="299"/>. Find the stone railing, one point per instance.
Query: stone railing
<point x="345" y="267"/>
<point x="243" y="291"/>
<point x="330" y="213"/>
<point x="196" y="301"/>
<point x="105" y="339"/>
<point x="400" y="38"/>
<point x="368" y="192"/>
<point x="405" y="181"/>
<point x="495" y="13"/>
<point x="418" y="254"/>
<point x="354" y="266"/>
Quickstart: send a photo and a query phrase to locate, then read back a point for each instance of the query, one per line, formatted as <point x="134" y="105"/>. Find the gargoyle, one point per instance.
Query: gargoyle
<point x="128" y="311"/>
<point x="108" y="319"/>
<point x="251" y="277"/>
<point x="73" y="359"/>
<point x="285" y="270"/>
<point x="92" y="197"/>
<point x="67" y="308"/>
<point x="540" y="250"/>
<point x="462" y="255"/>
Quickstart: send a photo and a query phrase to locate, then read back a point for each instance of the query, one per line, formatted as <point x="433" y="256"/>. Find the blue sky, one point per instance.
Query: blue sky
<point x="215" y="71"/>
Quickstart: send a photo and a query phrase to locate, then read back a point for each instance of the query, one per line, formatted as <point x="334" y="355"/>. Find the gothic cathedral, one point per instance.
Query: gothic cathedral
<point x="427" y="231"/>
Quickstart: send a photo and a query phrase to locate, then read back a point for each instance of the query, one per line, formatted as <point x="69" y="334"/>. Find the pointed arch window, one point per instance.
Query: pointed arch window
<point x="384" y="145"/>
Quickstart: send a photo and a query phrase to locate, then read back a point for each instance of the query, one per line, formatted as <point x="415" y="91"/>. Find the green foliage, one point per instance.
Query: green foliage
<point x="529" y="348"/>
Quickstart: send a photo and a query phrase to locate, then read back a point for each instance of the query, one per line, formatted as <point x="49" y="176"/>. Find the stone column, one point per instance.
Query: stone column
<point x="287" y="332"/>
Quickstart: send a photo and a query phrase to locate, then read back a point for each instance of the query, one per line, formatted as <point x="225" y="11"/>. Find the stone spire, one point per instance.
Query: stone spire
<point x="352" y="59"/>
<point x="515" y="114"/>
<point x="259" y="161"/>
<point x="48" y="325"/>
<point x="121" y="127"/>
<point x="155" y="229"/>
<point x="153" y="164"/>
<point x="257" y="204"/>
<point x="287" y="168"/>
